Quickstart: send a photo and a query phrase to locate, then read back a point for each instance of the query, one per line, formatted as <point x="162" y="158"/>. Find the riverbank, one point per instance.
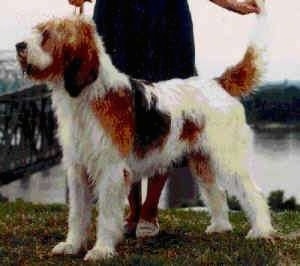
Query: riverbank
<point x="29" y="231"/>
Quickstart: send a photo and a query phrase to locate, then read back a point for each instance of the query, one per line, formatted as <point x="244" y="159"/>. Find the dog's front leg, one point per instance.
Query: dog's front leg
<point x="112" y="192"/>
<point x="79" y="212"/>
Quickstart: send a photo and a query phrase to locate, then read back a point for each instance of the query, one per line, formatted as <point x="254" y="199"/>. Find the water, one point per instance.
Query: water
<point x="44" y="187"/>
<point x="277" y="166"/>
<point x="277" y="160"/>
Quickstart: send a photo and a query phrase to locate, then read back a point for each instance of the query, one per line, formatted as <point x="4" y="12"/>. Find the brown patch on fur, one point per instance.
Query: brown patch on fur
<point x="190" y="131"/>
<point x="115" y="113"/>
<point x="66" y="40"/>
<point x="200" y="164"/>
<point x="240" y="79"/>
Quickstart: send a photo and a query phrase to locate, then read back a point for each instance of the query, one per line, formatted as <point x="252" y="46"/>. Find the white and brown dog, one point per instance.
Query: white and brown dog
<point x="114" y="130"/>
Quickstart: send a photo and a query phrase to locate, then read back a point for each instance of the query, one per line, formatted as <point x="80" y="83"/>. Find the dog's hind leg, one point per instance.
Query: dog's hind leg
<point x="112" y="190"/>
<point x="80" y="205"/>
<point x="212" y="194"/>
<point x="234" y="164"/>
<point x="254" y="205"/>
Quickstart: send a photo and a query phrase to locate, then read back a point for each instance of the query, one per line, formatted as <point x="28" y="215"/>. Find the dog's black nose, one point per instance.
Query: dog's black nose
<point x="21" y="46"/>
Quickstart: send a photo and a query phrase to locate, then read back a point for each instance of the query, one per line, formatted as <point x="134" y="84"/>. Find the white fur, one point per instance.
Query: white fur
<point x="259" y="38"/>
<point x="35" y="54"/>
<point x="90" y="154"/>
<point x="226" y="138"/>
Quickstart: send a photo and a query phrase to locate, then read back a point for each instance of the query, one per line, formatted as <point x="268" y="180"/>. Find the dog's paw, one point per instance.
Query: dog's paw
<point x="98" y="253"/>
<point x="257" y="232"/>
<point x="65" y="248"/>
<point x="218" y="228"/>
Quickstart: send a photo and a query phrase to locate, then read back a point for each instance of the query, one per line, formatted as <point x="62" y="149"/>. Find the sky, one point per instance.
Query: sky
<point x="220" y="36"/>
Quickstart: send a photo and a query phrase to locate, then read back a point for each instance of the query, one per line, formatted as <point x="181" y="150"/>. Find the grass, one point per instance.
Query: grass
<point x="28" y="232"/>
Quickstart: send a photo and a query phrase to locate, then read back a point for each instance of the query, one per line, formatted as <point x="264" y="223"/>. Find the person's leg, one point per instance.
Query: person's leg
<point x="134" y="199"/>
<point x="148" y="222"/>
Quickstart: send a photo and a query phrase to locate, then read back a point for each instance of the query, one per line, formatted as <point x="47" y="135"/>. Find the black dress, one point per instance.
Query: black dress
<point x="148" y="39"/>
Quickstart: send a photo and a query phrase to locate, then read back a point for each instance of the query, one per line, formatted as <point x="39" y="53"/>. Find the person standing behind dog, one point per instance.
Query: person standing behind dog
<point x="151" y="40"/>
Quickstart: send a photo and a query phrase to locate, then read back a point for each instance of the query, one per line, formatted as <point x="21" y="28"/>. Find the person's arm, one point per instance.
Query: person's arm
<point x="246" y="7"/>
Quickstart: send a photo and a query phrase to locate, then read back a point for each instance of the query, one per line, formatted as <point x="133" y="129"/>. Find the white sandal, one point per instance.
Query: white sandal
<point x="147" y="229"/>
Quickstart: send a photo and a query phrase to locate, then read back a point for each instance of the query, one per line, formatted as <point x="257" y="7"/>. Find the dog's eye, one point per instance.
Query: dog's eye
<point x="45" y="36"/>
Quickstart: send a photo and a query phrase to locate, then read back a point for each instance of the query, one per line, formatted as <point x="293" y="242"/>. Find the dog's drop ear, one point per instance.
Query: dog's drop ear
<point x="80" y="73"/>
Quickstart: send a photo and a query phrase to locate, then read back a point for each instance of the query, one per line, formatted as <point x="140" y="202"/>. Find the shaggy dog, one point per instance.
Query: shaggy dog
<point x="114" y="129"/>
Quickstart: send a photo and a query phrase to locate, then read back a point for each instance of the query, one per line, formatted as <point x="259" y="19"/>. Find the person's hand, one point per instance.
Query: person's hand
<point x="246" y="7"/>
<point x="78" y="3"/>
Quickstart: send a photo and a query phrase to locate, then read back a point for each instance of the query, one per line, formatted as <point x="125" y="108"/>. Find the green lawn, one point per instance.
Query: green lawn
<point x="28" y="232"/>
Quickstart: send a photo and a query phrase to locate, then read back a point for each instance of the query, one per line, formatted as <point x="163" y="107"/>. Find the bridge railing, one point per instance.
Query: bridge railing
<point x="27" y="133"/>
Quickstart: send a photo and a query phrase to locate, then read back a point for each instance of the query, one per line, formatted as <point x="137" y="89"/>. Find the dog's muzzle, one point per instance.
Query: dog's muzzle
<point x="21" y="46"/>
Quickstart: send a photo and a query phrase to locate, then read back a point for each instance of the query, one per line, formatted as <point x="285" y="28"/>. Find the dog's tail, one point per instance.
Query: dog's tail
<point x="241" y="79"/>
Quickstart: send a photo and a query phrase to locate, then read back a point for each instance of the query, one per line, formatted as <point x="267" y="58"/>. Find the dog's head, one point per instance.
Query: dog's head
<point x="61" y="50"/>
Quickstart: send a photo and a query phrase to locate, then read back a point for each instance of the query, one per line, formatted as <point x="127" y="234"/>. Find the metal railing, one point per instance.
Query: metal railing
<point x="27" y="133"/>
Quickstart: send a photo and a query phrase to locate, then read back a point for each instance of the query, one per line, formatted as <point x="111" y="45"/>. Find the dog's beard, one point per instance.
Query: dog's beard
<point x="27" y="69"/>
